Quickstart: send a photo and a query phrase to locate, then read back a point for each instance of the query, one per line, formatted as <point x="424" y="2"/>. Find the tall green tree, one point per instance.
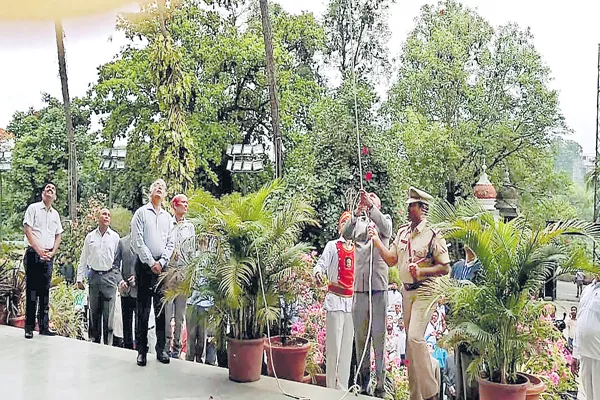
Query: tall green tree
<point x="222" y="57"/>
<point x="466" y="93"/>
<point x="41" y="154"/>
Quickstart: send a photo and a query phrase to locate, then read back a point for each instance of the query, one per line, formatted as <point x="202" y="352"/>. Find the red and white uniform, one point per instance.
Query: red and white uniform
<point x="337" y="263"/>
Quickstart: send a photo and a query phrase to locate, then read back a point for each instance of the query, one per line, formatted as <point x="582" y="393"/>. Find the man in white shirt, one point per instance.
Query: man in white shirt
<point x="586" y="346"/>
<point x="337" y="263"/>
<point x="401" y="341"/>
<point x="152" y="243"/>
<point x="42" y="238"/>
<point x="96" y="264"/>
<point x="182" y="234"/>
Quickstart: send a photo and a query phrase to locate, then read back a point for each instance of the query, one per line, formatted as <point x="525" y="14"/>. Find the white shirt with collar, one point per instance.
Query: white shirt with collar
<point x="328" y="266"/>
<point x="45" y="224"/>
<point x="587" y="334"/>
<point x="182" y="236"/>
<point x="151" y="235"/>
<point x="98" y="252"/>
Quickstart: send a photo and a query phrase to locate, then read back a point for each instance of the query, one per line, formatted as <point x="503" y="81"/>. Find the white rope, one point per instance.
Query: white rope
<point x="262" y="288"/>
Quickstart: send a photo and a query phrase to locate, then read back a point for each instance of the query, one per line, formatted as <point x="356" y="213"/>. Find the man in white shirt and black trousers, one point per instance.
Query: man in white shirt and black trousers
<point x="152" y="243"/>
<point x="42" y="237"/>
<point x="96" y="263"/>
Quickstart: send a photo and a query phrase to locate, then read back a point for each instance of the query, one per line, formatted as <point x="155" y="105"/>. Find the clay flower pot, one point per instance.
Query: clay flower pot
<point x="494" y="391"/>
<point x="289" y="360"/>
<point x="536" y="387"/>
<point x="245" y="359"/>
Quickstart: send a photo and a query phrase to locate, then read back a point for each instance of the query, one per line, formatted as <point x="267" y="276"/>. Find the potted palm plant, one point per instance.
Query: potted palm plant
<point x="256" y="245"/>
<point x="490" y="318"/>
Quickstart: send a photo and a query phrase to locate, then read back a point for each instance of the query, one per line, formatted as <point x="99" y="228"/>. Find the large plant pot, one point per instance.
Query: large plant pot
<point x="290" y="360"/>
<point x="536" y="387"/>
<point x="244" y="359"/>
<point x="321" y="380"/>
<point x="3" y="314"/>
<point x="495" y="391"/>
<point x="17" y="322"/>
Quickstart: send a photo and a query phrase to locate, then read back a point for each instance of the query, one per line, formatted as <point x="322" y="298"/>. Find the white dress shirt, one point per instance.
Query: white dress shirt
<point x="587" y="336"/>
<point x="401" y="338"/>
<point x="151" y="235"/>
<point x="182" y="236"/>
<point x="45" y="224"/>
<point x="98" y="252"/>
<point x="328" y="266"/>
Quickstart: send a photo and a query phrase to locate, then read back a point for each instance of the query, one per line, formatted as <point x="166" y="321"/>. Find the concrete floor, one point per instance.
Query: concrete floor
<point x="61" y="368"/>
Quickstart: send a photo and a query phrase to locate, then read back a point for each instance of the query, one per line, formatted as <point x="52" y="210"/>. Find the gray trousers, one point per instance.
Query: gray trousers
<point x="102" y="295"/>
<point x="360" y="316"/>
<point x="196" y="326"/>
<point x="175" y="309"/>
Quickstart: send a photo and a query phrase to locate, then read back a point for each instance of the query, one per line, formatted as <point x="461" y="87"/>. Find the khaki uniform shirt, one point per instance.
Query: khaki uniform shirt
<point x="426" y="246"/>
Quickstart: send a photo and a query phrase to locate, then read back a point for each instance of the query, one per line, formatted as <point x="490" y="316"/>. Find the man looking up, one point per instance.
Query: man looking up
<point x="96" y="263"/>
<point x="151" y="242"/>
<point x="42" y="238"/>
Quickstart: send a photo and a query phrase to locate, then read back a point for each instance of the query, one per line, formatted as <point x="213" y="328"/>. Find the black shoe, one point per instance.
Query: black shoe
<point x="47" y="332"/>
<point x="141" y="359"/>
<point x="174" y="355"/>
<point x="163" y="357"/>
<point x="28" y="334"/>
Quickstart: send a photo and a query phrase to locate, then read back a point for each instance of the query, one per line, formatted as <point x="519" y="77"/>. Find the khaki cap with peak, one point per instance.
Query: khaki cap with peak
<point x="418" y="196"/>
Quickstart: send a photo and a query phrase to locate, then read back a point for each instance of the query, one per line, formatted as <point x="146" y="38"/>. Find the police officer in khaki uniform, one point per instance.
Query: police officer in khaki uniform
<point x="421" y="254"/>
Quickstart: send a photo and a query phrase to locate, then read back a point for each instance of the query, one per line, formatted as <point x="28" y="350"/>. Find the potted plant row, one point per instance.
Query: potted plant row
<point x="254" y="246"/>
<point x="492" y="318"/>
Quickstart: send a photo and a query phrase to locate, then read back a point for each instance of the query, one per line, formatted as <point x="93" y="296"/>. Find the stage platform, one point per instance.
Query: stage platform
<point x="62" y="368"/>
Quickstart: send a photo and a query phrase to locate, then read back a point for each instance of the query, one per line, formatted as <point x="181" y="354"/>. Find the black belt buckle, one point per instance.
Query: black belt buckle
<point x="412" y="286"/>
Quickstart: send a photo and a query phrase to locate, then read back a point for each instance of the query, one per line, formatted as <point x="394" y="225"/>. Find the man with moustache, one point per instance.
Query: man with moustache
<point x="42" y="238"/>
<point x="152" y="243"/>
<point x="96" y="263"/>
<point x="421" y="254"/>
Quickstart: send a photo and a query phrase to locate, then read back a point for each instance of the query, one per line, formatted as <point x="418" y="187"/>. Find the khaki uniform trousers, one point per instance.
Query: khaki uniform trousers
<point x="422" y="381"/>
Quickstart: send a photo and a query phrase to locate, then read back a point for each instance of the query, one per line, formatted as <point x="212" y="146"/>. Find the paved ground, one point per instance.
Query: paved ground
<point x="61" y="368"/>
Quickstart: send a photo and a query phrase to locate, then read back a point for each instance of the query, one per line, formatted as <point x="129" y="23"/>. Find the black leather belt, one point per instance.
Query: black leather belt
<point x="100" y="273"/>
<point x="409" y="287"/>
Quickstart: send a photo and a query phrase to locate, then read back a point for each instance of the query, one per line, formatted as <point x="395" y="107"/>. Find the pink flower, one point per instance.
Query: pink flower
<point x="364" y="151"/>
<point x="554" y="378"/>
<point x="369" y="176"/>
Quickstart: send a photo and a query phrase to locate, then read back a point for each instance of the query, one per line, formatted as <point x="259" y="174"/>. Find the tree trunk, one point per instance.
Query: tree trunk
<point x="72" y="167"/>
<point x="277" y="143"/>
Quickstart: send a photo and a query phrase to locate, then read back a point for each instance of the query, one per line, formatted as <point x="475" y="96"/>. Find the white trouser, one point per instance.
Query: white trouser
<point x="590" y="378"/>
<point x="338" y="348"/>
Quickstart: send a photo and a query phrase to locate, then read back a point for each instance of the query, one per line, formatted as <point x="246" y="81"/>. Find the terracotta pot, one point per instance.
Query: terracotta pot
<point x="17" y="322"/>
<point x="245" y="359"/>
<point x="3" y="314"/>
<point x="536" y="387"/>
<point x="494" y="391"/>
<point x="289" y="360"/>
<point x="321" y="380"/>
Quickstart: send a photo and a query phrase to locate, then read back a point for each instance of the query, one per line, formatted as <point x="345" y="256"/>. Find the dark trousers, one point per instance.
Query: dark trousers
<point x="148" y="294"/>
<point x="128" y="306"/>
<point x="38" y="274"/>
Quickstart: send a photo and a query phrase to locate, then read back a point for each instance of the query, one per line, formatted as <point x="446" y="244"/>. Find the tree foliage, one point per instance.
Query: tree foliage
<point x="466" y="93"/>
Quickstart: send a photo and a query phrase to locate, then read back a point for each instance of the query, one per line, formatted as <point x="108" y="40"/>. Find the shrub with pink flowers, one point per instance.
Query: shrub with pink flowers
<point x="396" y="377"/>
<point x="549" y="358"/>
<point x="311" y="314"/>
